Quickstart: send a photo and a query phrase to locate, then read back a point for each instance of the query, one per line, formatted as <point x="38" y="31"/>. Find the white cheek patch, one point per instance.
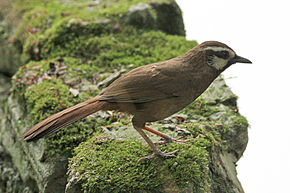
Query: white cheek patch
<point x="219" y="63"/>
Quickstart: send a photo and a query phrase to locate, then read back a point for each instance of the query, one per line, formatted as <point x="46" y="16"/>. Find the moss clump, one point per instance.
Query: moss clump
<point x="53" y="29"/>
<point x="47" y="98"/>
<point x="200" y="109"/>
<point x="103" y="49"/>
<point x="64" y="141"/>
<point x="42" y="15"/>
<point x="111" y="166"/>
<point x="222" y="113"/>
<point x="137" y="47"/>
<point x="240" y="123"/>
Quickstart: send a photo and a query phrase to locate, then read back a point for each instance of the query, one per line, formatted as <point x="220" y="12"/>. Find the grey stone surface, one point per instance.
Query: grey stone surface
<point x="162" y="15"/>
<point x="9" y="51"/>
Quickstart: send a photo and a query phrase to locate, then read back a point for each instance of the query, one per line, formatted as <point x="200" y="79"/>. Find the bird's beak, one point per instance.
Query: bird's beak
<point x="239" y="59"/>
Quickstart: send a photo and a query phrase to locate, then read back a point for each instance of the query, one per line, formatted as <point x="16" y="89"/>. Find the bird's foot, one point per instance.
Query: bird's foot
<point x="161" y="154"/>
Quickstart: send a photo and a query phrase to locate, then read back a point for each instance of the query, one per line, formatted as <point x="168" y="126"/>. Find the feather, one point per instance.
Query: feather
<point x="62" y="119"/>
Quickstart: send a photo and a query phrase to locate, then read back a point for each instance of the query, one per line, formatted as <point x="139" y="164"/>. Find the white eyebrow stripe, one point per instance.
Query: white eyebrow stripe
<point x="216" y="49"/>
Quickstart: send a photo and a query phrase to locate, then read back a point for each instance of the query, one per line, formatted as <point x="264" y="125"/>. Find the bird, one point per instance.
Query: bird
<point x="150" y="93"/>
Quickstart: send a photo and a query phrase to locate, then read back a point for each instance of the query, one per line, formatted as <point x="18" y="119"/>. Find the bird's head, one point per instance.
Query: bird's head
<point x="220" y="56"/>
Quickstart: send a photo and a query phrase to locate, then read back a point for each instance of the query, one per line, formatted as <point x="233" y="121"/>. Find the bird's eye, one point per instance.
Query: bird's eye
<point x="223" y="54"/>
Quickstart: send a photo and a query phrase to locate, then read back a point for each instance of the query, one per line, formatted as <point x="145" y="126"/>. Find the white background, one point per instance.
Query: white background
<point x="260" y="31"/>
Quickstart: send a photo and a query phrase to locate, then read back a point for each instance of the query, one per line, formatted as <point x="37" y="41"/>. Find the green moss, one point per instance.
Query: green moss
<point x="93" y="39"/>
<point x="111" y="166"/>
<point x="67" y="139"/>
<point x="40" y="16"/>
<point x="71" y="71"/>
<point x="25" y="75"/>
<point x="219" y="122"/>
<point x="104" y="49"/>
<point x="137" y="47"/>
<point x="47" y="98"/>
<point x="199" y="109"/>
<point x="53" y="29"/>
<point x="116" y="8"/>
<point x="240" y="123"/>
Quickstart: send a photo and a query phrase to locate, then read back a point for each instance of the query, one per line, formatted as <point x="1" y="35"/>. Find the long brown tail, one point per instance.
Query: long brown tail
<point x="63" y="118"/>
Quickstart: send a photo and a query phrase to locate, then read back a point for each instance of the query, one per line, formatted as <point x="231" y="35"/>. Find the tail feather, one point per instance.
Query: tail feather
<point x="62" y="119"/>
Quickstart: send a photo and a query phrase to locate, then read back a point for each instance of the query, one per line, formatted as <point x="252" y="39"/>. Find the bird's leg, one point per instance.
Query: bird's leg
<point x="156" y="151"/>
<point x="167" y="138"/>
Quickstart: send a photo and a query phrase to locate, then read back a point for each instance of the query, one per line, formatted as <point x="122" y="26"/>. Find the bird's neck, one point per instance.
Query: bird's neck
<point x="200" y="75"/>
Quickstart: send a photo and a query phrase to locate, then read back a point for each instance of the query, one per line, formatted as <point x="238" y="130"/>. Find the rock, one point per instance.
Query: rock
<point x="215" y="94"/>
<point x="169" y="17"/>
<point x="176" y="118"/>
<point x="171" y="127"/>
<point x="140" y="16"/>
<point x="10" y="180"/>
<point x="39" y="177"/>
<point x="9" y="50"/>
<point x="162" y="15"/>
<point x="73" y="185"/>
<point x="110" y="79"/>
<point x="5" y="85"/>
<point x="183" y="132"/>
<point x="75" y="92"/>
<point x="72" y="49"/>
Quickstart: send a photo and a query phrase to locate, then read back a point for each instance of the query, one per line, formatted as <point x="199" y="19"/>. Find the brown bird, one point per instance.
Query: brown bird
<point x="150" y="93"/>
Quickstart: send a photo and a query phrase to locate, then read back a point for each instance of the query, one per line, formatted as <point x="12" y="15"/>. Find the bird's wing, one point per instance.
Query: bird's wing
<point x="144" y="84"/>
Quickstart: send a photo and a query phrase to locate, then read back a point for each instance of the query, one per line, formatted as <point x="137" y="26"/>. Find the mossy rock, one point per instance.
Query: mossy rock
<point x="9" y="51"/>
<point x="68" y="49"/>
<point x="212" y="128"/>
<point x="110" y="166"/>
<point x="45" y="94"/>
